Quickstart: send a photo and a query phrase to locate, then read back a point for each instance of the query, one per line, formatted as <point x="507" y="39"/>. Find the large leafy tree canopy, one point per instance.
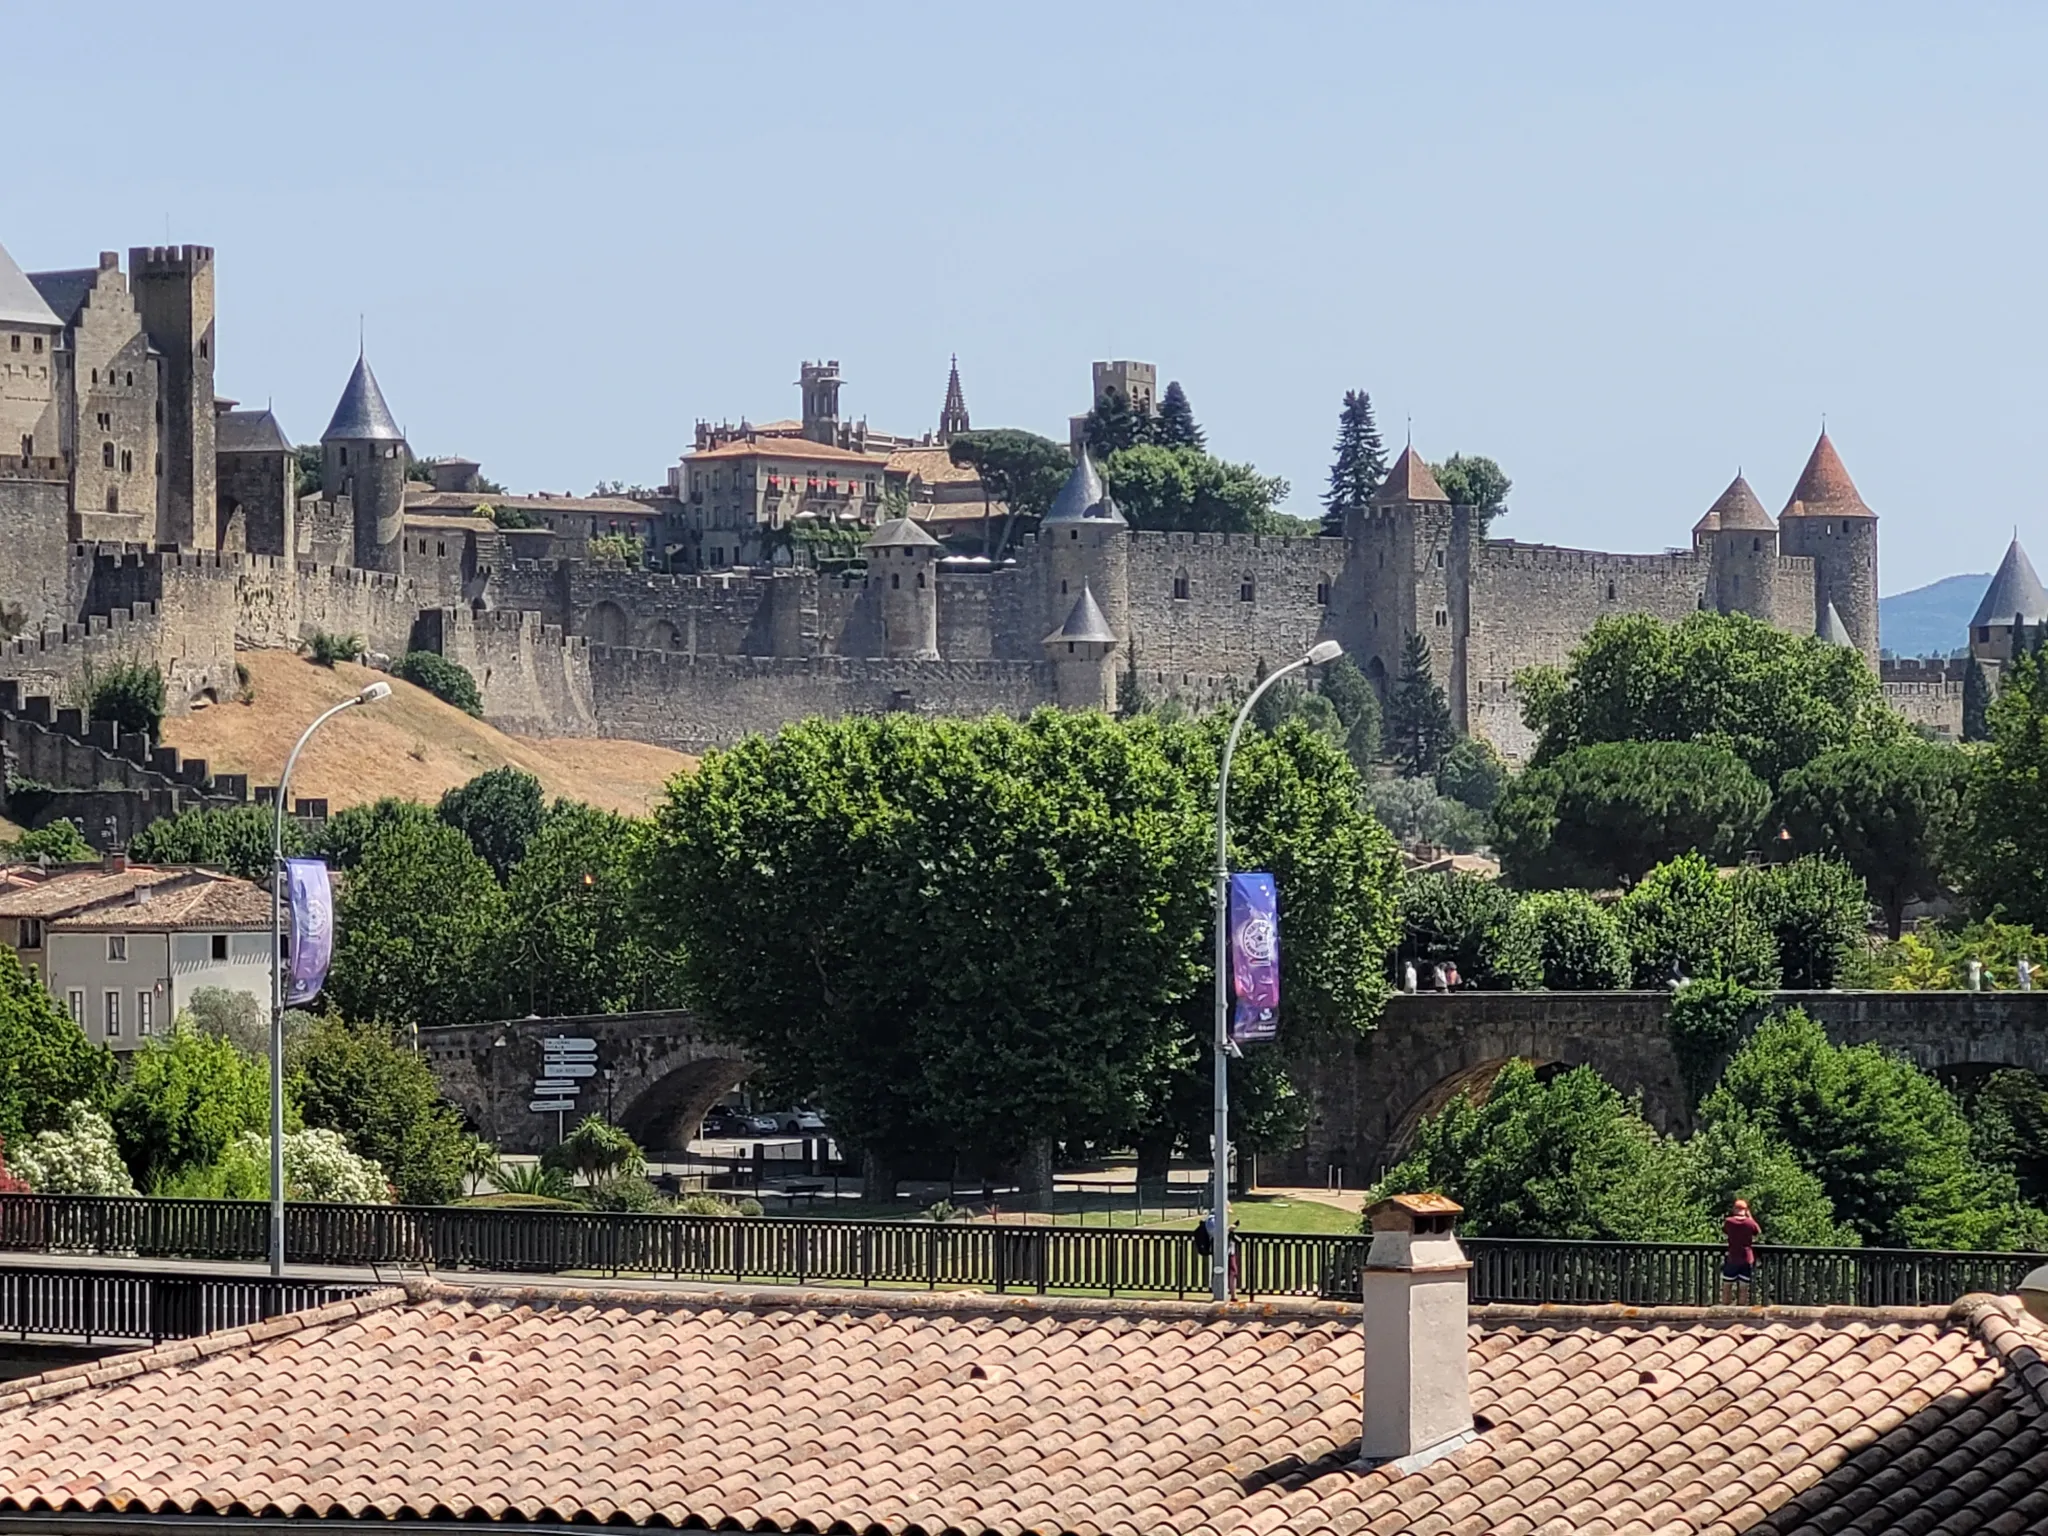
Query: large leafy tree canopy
<point x="1775" y="700"/>
<point x="1888" y="809"/>
<point x="383" y="1098"/>
<point x="1475" y="481"/>
<point x="1184" y="490"/>
<point x="499" y="812"/>
<point x="2002" y="851"/>
<point x="1684" y="920"/>
<point x="46" y="1063"/>
<point x="233" y="839"/>
<point x="188" y="1095"/>
<point x="1019" y="469"/>
<point x="967" y="936"/>
<point x="1606" y="814"/>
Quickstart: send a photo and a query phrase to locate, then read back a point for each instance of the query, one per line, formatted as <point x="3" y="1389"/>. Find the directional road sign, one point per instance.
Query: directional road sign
<point x="550" y="1106"/>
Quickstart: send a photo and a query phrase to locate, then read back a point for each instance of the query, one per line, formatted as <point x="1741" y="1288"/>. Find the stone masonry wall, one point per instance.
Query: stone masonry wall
<point x="693" y="703"/>
<point x="1214" y="629"/>
<point x="34" y="499"/>
<point x="535" y="680"/>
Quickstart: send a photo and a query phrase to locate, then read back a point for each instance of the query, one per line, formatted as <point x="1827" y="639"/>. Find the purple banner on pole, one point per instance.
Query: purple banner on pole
<point x="312" y="943"/>
<point x="1254" y="957"/>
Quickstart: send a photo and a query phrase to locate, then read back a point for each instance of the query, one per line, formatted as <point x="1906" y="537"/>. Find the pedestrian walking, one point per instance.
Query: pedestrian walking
<point x="1408" y="978"/>
<point x="2026" y="974"/>
<point x="1976" y="974"/>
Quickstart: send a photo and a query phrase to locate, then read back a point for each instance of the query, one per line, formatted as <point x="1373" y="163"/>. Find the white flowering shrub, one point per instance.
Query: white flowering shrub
<point x="81" y="1159"/>
<point x="317" y="1166"/>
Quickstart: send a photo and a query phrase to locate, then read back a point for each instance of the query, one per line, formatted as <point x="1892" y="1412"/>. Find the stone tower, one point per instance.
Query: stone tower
<point x="173" y="288"/>
<point x="1826" y="520"/>
<point x="1742" y="553"/>
<point x="1409" y="548"/>
<point x="1085" y="543"/>
<point x="1082" y="652"/>
<point x="820" y="385"/>
<point x="903" y="573"/>
<point x="362" y="457"/>
<point x="953" y="414"/>
<point x="2014" y="605"/>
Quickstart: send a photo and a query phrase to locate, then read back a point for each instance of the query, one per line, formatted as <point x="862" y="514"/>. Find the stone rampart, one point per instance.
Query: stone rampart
<point x="693" y="703"/>
<point x="1247" y="599"/>
<point x="535" y="681"/>
<point x="35" y="505"/>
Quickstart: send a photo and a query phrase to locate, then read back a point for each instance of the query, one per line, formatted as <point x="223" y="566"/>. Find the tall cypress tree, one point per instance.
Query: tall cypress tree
<point x="1113" y="425"/>
<point x="1360" y="466"/>
<point x="1976" y="703"/>
<point x="1418" y="723"/>
<point x="1176" y="426"/>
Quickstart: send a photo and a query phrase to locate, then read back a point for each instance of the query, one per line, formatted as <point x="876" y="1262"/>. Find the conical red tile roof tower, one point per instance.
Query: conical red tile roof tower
<point x="1736" y="508"/>
<point x="1409" y="480"/>
<point x="1824" y="488"/>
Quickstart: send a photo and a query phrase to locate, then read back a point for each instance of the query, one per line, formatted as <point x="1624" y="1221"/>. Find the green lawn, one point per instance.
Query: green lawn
<point x="1259" y="1213"/>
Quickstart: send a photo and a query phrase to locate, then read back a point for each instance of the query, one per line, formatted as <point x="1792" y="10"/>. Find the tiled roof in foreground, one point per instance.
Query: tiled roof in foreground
<point x="968" y="1414"/>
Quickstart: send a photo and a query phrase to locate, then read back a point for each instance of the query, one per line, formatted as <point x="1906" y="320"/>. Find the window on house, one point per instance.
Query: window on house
<point x="14" y="343"/>
<point x="202" y="346"/>
<point x="344" y="455"/>
<point x="1180" y="587"/>
<point x="1063" y="589"/>
<point x="96" y="379"/>
<point x="113" y="1014"/>
<point x="1756" y="546"/>
<point x="31" y="935"/>
<point x="128" y="381"/>
<point x="440" y="548"/>
<point x="920" y="580"/>
<point x="145" y="1013"/>
<point x="117" y="946"/>
<point x="38" y="347"/>
<point x="1984" y="634"/>
<point x="1443" y="618"/>
<point x="28" y="445"/>
<point x="220" y="946"/>
<point x="1246" y="591"/>
<point x="74" y="1004"/>
<point x="1322" y="594"/>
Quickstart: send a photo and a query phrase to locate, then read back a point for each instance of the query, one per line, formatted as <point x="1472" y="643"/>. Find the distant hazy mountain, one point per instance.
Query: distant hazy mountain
<point x="1932" y="620"/>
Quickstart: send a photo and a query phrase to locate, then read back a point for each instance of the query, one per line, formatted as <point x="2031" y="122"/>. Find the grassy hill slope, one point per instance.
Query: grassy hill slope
<point x="411" y="744"/>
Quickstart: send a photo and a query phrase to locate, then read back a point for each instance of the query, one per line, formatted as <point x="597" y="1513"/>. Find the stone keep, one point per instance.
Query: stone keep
<point x="903" y="575"/>
<point x="173" y="287"/>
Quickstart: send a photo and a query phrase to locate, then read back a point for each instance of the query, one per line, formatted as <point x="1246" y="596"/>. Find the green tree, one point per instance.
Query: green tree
<point x="358" y="1080"/>
<point x="307" y="469"/>
<point x="2002" y="840"/>
<point x="1472" y="773"/>
<point x="1976" y="703"/>
<point x="1176" y="426"/>
<point x="129" y="693"/>
<point x="61" y="842"/>
<point x="1418" y="720"/>
<point x="574" y="941"/>
<point x="233" y="839"/>
<point x="1562" y="1157"/>
<point x="1114" y="425"/>
<point x="1462" y="919"/>
<point x="348" y="832"/>
<point x="2008" y="1115"/>
<point x="1472" y="480"/>
<point x="1358" y="710"/>
<point x="499" y="812"/>
<point x="1775" y="700"/>
<point x="1359" y="466"/>
<point x="1020" y="470"/>
<point x="46" y="1063"/>
<point x="1564" y="941"/>
<point x="598" y="1150"/>
<point x="415" y="921"/>
<point x="1887" y="1142"/>
<point x="1818" y="914"/>
<point x="1683" y="918"/>
<point x="446" y="680"/>
<point x="188" y="1095"/>
<point x="1740" y="1160"/>
<point x="1419" y="817"/>
<point x="1888" y="809"/>
<point x="1184" y="490"/>
<point x="1606" y="814"/>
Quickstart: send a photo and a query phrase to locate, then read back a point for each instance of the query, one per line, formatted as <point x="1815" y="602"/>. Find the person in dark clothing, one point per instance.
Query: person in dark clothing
<point x="1738" y="1269"/>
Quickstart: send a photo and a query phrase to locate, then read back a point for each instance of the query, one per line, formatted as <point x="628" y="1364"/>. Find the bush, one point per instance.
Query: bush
<point x="531" y="1179"/>
<point x="1683" y="917"/>
<point x="1459" y="918"/>
<point x="327" y="649"/>
<point x="629" y="1192"/>
<point x="598" y="1150"/>
<point x="715" y="1205"/>
<point x="499" y="812"/>
<point x="1472" y="773"/>
<point x="1417" y="815"/>
<point x="1707" y="1018"/>
<point x="617" y="548"/>
<point x="234" y="839"/>
<point x="131" y="694"/>
<point x="448" y="681"/>
<point x="356" y="1080"/>
<point x="61" y="842"/>
<point x="80" y="1159"/>
<point x="318" y="1165"/>
<point x="1818" y="913"/>
<point x="187" y="1097"/>
<point x="1564" y="941"/>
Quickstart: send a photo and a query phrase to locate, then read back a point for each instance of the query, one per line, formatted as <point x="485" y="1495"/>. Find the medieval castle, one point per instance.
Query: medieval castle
<point x="143" y="517"/>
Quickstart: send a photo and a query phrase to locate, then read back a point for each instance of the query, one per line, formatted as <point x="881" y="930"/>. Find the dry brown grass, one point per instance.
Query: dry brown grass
<point x="411" y="744"/>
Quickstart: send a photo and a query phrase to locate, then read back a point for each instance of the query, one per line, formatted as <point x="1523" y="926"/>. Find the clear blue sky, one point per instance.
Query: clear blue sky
<point x="1624" y="249"/>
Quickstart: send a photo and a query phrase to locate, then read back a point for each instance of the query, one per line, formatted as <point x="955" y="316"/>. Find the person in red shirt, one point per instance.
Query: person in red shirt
<point x="1738" y="1269"/>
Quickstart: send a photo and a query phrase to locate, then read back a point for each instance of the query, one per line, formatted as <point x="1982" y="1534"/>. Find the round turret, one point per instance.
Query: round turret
<point x="362" y="457"/>
<point x="903" y="572"/>
<point x="1086" y="545"/>
<point x="1082" y="652"/>
<point x="1742" y="544"/>
<point x="1827" y="521"/>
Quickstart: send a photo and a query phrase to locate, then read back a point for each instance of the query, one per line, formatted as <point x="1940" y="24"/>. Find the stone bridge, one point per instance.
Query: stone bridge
<point x="665" y="1072"/>
<point x="1369" y="1097"/>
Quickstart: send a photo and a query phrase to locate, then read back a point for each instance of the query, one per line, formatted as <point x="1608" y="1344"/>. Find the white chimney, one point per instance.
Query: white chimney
<point x="1418" y="1397"/>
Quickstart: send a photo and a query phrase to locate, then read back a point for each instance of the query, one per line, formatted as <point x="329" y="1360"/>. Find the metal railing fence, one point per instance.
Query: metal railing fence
<point x="99" y="1304"/>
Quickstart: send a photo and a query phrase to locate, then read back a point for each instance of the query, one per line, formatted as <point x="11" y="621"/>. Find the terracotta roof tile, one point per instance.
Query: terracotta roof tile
<point x="1824" y="488"/>
<point x="786" y="448"/>
<point x="1409" y="480"/>
<point x="986" y="1415"/>
<point x="1736" y="507"/>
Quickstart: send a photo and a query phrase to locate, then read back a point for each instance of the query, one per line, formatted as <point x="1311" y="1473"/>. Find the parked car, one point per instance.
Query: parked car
<point x="724" y="1120"/>
<point x="797" y="1122"/>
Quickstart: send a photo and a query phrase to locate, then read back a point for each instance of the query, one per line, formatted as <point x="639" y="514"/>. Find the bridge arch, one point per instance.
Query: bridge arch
<point x="665" y="1114"/>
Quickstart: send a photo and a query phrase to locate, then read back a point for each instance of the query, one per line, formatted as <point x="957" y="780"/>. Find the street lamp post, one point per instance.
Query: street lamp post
<point x="370" y="695"/>
<point x="1320" y="654"/>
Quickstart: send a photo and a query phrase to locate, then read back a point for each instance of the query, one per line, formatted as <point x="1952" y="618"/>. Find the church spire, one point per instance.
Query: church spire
<point x="953" y="415"/>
